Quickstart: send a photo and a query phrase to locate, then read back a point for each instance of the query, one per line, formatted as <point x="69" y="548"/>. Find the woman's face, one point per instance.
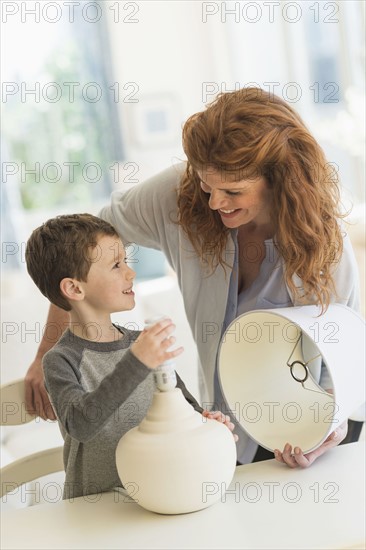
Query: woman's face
<point x="247" y="201"/>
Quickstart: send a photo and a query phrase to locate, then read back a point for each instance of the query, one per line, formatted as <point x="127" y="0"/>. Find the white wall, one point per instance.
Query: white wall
<point x="169" y="54"/>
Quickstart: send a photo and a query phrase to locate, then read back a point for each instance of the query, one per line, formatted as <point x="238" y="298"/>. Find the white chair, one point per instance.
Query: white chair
<point x="31" y="466"/>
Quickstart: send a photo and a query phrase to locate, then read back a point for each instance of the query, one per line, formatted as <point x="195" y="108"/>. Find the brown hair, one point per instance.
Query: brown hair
<point x="251" y="133"/>
<point x="61" y="248"/>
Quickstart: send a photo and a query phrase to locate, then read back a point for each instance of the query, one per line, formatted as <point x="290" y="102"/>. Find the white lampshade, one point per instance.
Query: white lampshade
<point x="269" y="369"/>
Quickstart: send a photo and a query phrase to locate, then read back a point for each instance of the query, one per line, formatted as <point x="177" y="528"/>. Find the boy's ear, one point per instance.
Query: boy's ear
<point x="72" y="289"/>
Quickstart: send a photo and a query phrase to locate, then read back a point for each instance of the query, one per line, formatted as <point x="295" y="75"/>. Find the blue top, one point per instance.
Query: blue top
<point x="268" y="291"/>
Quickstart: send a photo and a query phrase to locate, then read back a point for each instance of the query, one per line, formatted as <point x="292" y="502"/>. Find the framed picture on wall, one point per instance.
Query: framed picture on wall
<point x="155" y="120"/>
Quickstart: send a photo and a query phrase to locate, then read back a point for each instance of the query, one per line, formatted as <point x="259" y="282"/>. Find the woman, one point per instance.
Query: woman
<point x="251" y="221"/>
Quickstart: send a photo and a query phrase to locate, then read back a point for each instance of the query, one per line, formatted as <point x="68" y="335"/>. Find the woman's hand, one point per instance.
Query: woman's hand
<point x="297" y="458"/>
<point x="36" y="397"/>
<point x="221" y="417"/>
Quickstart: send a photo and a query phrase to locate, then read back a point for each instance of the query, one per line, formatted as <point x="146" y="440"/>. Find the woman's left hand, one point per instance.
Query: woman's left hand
<point x="297" y="458"/>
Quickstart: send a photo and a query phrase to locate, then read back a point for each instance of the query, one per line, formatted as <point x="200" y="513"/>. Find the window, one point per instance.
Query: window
<point x="60" y="123"/>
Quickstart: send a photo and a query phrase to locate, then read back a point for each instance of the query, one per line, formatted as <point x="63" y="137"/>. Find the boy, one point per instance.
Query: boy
<point x="99" y="375"/>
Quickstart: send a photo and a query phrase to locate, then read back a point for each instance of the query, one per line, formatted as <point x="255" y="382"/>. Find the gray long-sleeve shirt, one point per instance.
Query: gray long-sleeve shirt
<point x="99" y="391"/>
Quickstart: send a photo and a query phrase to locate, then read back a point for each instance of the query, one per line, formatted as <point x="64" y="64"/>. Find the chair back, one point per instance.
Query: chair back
<point x="13" y="412"/>
<point x="31" y="466"/>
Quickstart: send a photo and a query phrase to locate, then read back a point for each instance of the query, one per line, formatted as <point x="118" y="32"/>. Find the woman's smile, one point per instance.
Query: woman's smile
<point x="238" y="202"/>
<point x="228" y="213"/>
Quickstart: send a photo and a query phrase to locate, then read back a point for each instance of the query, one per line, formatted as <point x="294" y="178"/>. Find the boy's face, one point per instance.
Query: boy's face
<point x="108" y="287"/>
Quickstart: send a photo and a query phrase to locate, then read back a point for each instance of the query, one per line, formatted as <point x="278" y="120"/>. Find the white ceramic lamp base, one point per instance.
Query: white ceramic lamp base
<point x="174" y="461"/>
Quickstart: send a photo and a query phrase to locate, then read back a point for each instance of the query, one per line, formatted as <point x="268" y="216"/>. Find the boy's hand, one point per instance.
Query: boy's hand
<point x="221" y="417"/>
<point x="151" y="347"/>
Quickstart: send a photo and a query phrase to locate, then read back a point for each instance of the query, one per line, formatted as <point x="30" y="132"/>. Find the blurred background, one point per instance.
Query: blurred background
<point x="94" y="96"/>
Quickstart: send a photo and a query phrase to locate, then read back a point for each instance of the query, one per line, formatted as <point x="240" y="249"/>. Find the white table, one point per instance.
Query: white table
<point x="271" y="507"/>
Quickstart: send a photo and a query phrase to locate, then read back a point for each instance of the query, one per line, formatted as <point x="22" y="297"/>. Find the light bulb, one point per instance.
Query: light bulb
<point x="164" y="375"/>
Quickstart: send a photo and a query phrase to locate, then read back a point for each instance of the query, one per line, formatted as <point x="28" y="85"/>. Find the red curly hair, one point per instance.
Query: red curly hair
<point x="251" y="133"/>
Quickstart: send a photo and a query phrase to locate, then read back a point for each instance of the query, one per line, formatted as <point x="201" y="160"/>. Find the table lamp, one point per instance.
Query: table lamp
<point x="176" y="461"/>
<point x="269" y="369"/>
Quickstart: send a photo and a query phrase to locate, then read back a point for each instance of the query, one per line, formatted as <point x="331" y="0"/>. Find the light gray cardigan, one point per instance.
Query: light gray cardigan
<point x="145" y="215"/>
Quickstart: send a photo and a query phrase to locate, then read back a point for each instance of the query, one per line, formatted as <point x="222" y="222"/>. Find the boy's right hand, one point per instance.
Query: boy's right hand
<point x="151" y="347"/>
